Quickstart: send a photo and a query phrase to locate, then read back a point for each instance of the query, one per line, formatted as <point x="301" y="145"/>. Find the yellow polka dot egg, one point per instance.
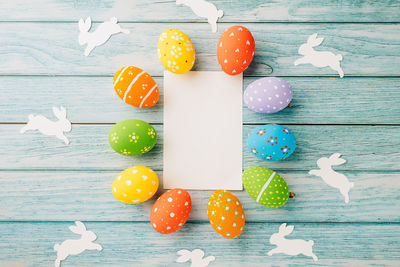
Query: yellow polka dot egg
<point x="176" y="51"/>
<point x="135" y="185"/>
<point x="265" y="186"/>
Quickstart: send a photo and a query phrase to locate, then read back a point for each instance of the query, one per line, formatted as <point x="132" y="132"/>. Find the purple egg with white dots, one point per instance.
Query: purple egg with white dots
<point x="268" y="95"/>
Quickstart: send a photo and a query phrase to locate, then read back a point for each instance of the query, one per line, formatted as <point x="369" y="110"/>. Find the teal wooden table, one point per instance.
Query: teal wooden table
<point x="46" y="185"/>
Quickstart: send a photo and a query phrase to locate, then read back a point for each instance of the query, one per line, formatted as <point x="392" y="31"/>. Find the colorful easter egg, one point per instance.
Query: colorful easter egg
<point x="136" y="87"/>
<point x="268" y="95"/>
<point x="135" y="185"/>
<point x="171" y="211"/>
<point x="225" y="214"/>
<point x="235" y="50"/>
<point x="265" y="186"/>
<point x="271" y="142"/>
<point x="176" y="51"/>
<point x="132" y="137"/>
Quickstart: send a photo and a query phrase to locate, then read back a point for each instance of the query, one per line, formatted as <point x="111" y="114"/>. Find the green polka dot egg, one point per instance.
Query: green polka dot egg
<point x="132" y="137"/>
<point x="265" y="186"/>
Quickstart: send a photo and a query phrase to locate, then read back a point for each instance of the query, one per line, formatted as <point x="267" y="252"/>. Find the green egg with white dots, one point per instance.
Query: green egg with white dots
<point x="265" y="186"/>
<point x="132" y="137"/>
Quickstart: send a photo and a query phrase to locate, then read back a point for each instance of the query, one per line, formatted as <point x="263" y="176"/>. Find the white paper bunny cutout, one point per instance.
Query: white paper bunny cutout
<point x="292" y="247"/>
<point x="48" y="127"/>
<point x="331" y="177"/>
<point x="76" y="246"/>
<point x="100" y="35"/>
<point x="196" y="256"/>
<point x="317" y="58"/>
<point x="204" y="9"/>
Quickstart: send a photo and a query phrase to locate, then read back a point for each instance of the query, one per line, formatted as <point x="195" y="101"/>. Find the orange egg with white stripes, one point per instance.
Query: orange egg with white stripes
<point x="136" y="87"/>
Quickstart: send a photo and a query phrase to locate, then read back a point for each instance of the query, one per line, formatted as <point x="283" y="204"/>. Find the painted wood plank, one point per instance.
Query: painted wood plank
<point x="53" y="49"/>
<point x="234" y="11"/>
<point x="137" y="244"/>
<point x="365" y="148"/>
<point x="64" y="196"/>
<point x="316" y="100"/>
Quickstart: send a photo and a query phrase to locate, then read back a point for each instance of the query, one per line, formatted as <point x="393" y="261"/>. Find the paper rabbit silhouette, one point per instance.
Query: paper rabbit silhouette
<point x="196" y="256"/>
<point x="100" y="35"/>
<point x="48" y="127"/>
<point x="76" y="246"/>
<point x="317" y="58"/>
<point x="204" y="9"/>
<point x="291" y="247"/>
<point x="331" y="177"/>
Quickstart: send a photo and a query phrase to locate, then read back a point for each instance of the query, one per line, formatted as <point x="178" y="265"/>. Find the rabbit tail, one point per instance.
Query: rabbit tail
<point x="339" y="57"/>
<point x="220" y="13"/>
<point x="311" y="242"/>
<point x="56" y="247"/>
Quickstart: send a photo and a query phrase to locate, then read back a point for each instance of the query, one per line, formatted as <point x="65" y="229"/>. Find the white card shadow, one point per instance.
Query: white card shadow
<point x="204" y="9"/>
<point x="76" y="246"/>
<point x="292" y="247"/>
<point x="48" y="127"/>
<point x="331" y="177"/>
<point x="101" y="35"/>
<point x="317" y="58"/>
<point x="195" y="256"/>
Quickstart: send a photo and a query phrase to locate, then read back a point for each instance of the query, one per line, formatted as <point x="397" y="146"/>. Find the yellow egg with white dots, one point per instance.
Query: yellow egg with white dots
<point x="135" y="185"/>
<point x="176" y="51"/>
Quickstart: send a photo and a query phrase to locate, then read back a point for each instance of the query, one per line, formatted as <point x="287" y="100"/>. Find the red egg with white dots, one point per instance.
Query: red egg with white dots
<point x="235" y="50"/>
<point x="171" y="211"/>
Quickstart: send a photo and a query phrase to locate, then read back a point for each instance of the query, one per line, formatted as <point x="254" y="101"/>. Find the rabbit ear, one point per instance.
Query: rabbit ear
<point x="185" y="255"/>
<point x="198" y="252"/>
<point x="314" y="41"/>
<point x="335" y="156"/>
<point x="56" y="112"/>
<point x="78" y="229"/>
<point x="289" y="229"/>
<point x="282" y="228"/>
<point x="63" y="112"/>
<point x="84" y="26"/>
<point x="81" y="24"/>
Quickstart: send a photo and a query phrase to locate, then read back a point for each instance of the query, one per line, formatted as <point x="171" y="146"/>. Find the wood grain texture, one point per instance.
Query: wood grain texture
<point x="137" y="244"/>
<point x="365" y="148"/>
<point x="234" y="11"/>
<point x="44" y="185"/>
<point x="315" y="100"/>
<point x="53" y="49"/>
<point x="86" y="195"/>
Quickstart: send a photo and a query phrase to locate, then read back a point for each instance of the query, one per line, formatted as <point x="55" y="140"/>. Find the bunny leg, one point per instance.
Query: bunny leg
<point x="300" y="61"/>
<point x="274" y="251"/>
<point x="341" y="73"/>
<point x="63" y="138"/>
<point x="27" y="128"/>
<point x="213" y="24"/>
<point x="94" y="246"/>
<point x="337" y="67"/>
<point x="315" y="258"/>
<point x="89" y="49"/>
<point x="57" y="263"/>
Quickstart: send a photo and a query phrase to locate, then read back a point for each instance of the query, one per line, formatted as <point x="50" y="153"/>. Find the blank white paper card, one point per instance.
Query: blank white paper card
<point x="202" y="130"/>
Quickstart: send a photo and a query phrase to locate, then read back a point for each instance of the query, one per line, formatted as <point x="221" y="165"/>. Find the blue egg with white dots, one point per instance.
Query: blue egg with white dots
<point x="271" y="142"/>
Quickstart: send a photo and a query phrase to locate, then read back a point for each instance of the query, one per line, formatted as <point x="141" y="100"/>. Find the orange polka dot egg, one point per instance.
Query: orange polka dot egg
<point x="136" y="87"/>
<point x="135" y="185"/>
<point x="235" y="50"/>
<point x="225" y="214"/>
<point x="171" y="211"/>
